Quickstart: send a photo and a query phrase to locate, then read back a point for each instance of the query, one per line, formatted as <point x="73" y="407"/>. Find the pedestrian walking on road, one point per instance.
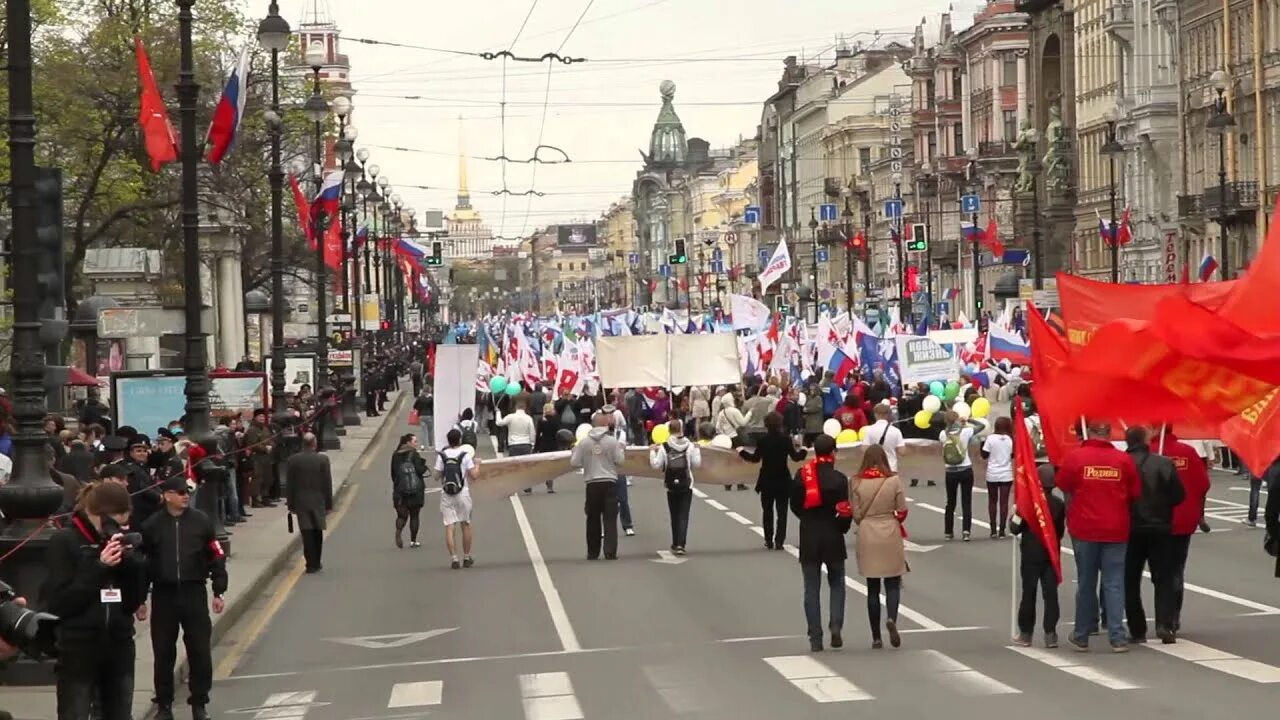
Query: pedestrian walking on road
<point x="819" y="496"/>
<point x="183" y="554"/>
<point x="416" y="373"/>
<point x="408" y="488"/>
<point x="1187" y="516"/>
<point x="1151" y="540"/>
<point x="598" y="455"/>
<point x="997" y="449"/>
<point x="773" y="483"/>
<point x="95" y="585"/>
<point x="309" y="489"/>
<point x="1036" y="570"/>
<point x="425" y="405"/>
<point x="617" y="424"/>
<point x="521" y="429"/>
<point x="1100" y="483"/>
<point x="457" y="470"/>
<point x="675" y="459"/>
<point x="879" y="509"/>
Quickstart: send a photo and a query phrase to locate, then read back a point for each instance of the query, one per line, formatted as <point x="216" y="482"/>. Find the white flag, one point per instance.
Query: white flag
<point x="778" y="265"/>
<point x="748" y="313"/>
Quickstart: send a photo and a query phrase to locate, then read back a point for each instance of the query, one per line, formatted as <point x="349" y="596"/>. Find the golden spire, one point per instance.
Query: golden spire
<point x="464" y="193"/>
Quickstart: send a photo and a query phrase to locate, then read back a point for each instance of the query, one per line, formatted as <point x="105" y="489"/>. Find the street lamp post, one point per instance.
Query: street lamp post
<point x="972" y="171"/>
<point x="847" y="218"/>
<point x="317" y="110"/>
<point x="273" y="34"/>
<point x="1223" y="124"/>
<point x="813" y="282"/>
<point x="195" y="362"/>
<point x="904" y="298"/>
<point x="926" y="181"/>
<point x="1112" y="149"/>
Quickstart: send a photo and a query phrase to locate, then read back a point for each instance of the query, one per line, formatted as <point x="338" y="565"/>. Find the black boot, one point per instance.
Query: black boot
<point x="164" y="712"/>
<point x="198" y="712"/>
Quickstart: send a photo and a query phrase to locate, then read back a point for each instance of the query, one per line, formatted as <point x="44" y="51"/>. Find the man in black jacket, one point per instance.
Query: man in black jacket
<point x="819" y="497"/>
<point x="183" y="554"/>
<point x="1151" y="540"/>
<point x="146" y="498"/>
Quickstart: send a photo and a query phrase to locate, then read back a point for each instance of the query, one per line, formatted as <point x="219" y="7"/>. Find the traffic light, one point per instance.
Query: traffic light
<point x="858" y="244"/>
<point x="385" y="325"/>
<point x="50" y="259"/>
<point x="436" y="258"/>
<point x="679" y="257"/>
<point x="919" y="241"/>
<point x="784" y="309"/>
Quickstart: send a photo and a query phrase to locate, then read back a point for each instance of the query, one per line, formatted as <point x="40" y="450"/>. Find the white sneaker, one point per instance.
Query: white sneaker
<point x="415" y="544"/>
<point x="629" y="532"/>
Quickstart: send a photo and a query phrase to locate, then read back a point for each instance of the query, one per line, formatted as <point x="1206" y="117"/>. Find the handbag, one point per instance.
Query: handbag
<point x="413" y="417"/>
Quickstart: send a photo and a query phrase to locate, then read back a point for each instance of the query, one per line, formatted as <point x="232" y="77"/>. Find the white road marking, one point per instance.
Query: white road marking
<point x="289" y="705"/>
<point x="717" y="505"/>
<point x="416" y="694"/>
<point x="682" y="693"/>
<point x="1257" y="607"/>
<point x="816" y="680"/>
<point x="555" y="606"/>
<point x="382" y="642"/>
<point x="963" y="678"/>
<point x="1221" y="661"/>
<point x="1071" y="665"/>
<point x="735" y="516"/>
<point x="666" y="557"/>
<point x="549" y="696"/>
<point x="698" y="493"/>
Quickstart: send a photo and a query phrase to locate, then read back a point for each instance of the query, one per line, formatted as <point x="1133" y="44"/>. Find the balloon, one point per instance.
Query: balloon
<point x="847" y="437"/>
<point x="512" y="389"/>
<point x="962" y="409"/>
<point x="582" y="431"/>
<point x="952" y="390"/>
<point x="862" y="434"/>
<point x="1016" y="372"/>
<point x="661" y="433"/>
<point x="497" y="384"/>
<point x="923" y="418"/>
<point x="937" y="388"/>
<point x="831" y="427"/>
<point x="722" y="441"/>
<point x="932" y="404"/>
<point x="981" y="407"/>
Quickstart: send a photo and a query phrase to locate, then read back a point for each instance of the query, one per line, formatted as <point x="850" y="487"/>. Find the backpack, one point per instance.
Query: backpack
<point x="952" y="452"/>
<point x="408" y="481"/>
<point x="468" y="430"/>
<point x="568" y="417"/>
<point x="676" y="475"/>
<point x="452" y="478"/>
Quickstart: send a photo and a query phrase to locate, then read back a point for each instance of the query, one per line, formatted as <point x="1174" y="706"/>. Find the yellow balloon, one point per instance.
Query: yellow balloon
<point x="661" y="433"/>
<point x="981" y="407"/>
<point x="862" y="434"/>
<point x="923" y="418"/>
<point x="847" y="437"/>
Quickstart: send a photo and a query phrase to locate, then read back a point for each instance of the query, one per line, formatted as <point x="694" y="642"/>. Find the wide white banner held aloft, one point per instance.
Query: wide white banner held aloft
<point x="632" y="361"/>
<point x="676" y="360"/>
<point x="454" y="383"/>
<point x="708" y="359"/>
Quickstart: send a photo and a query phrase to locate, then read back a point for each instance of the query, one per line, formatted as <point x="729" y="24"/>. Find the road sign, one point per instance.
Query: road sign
<point x="717" y="267"/>
<point x="893" y="208"/>
<point x="664" y="270"/>
<point x="764" y="256"/>
<point x="823" y="255"/>
<point x="751" y="215"/>
<point x="633" y="259"/>
<point x="970" y="204"/>
<point x="827" y="212"/>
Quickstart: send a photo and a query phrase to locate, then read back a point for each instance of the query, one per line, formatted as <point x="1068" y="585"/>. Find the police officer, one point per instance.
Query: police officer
<point x="145" y="497"/>
<point x="183" y="554"/>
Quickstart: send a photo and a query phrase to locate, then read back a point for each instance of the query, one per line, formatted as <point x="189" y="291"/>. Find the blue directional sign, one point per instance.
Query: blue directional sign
<point x="827" y="212"/>
<point x="893" y="208"/>
<point x="823" y="255"/>
<point x="717" y="267"/>
<point x="715" y="255"/>
<point x="664" y="270"/>
<point x="970" y="204"/>
<point x="764" y="256"/>
<point x="751" y="215"/>
<point x="633" y="259"/>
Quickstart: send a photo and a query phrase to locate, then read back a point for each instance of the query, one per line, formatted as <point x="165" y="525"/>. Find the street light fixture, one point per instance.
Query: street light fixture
<point x="1222" y="124"/>
<point x="927" y="178"/>
<point x="317" y="110"/>
<point x="1112" y="149"/>
<point x="972" y="171"/>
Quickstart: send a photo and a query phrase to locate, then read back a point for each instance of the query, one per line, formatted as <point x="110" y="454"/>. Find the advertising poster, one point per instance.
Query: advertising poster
<point x="299" y="370"/>
<point x="576" y="236"/>
<point x="237" y="394"/>
<point x="923" y="360"/>
<point x="149" y="399"/>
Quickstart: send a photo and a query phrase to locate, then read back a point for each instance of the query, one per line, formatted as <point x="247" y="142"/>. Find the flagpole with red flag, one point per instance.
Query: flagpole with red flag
<point x="1028" y="492"/>
<point x="153" y="117"/>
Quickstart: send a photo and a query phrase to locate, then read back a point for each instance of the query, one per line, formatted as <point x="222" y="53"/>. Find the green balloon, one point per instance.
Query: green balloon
<point x="936" y="388"/>
<point x="497" y="384"/>
<point x="512" y="389"/>
<point x="951" y="391"/>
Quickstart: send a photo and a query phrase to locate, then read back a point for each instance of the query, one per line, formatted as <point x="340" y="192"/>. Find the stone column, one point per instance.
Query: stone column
<point x="237" y="303"/>
<point x="1022" y="88"/>
<point x="228" y="324"/>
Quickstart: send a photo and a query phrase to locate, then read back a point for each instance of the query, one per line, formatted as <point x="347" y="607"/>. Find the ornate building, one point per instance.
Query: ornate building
<point x="469" y="237"/>
<point x="661" y="210"/>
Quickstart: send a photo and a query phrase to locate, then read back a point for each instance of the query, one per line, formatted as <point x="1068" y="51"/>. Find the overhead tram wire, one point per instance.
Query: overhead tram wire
<point x="542" y="126"/>
<point x="503" y="109"/>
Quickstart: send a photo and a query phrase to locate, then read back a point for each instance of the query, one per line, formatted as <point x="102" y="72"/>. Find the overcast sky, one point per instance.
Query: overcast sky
<point x="725" y="59"/>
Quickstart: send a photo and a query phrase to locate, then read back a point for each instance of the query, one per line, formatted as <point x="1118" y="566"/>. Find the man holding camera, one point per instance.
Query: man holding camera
<point x="183" y="554"/>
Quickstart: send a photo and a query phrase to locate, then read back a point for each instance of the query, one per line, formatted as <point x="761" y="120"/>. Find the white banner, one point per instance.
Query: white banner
<point x="778" y="265"/>
<point x="454" y="384"/>
<point x="668" y="360"/>
<point x="923" y="360"/>
<point x="748" y="313"/>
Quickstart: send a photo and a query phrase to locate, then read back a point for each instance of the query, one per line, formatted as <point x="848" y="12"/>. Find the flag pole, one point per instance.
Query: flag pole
<point x="1013" y="590"/>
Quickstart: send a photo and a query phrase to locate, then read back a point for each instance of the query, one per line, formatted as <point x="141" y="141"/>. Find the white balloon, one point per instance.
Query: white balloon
<point x="1016" y="372"/>
<point x="582" y="431"/>
<point x="885" y="402"/>
<point x="962" y="409"/>
<point x="932" y="404"/>
<point x="831" y="427"/>
<point x="722" y="441"/>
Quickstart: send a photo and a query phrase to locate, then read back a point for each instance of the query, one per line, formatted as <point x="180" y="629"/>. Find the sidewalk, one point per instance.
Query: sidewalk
<point x="260" y="549"/>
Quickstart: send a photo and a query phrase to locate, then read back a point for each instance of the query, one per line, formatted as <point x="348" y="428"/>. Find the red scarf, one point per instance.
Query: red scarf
<point x="873" y="472"/>
<point x="809" y="475"/>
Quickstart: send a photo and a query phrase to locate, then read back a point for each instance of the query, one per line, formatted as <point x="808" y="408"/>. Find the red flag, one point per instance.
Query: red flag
<point x="304" y="210"/>
<point x="991" y="239"/>
<point x="1049" y="355"/>
<point x="153" y="116"/>
<point x="333" y="245"/>
<point x="1028" y="493"/>
<point x="1252" y="304"/>
<point x="1124" y="233"/>
<point x="1089" y="304"/>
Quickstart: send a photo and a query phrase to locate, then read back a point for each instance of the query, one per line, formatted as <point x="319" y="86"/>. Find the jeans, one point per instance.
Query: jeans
<point x="427" y="434"/>
<point x="601" y="508"/>
<point x="1156" y="550"/>
<point x="959" y="482"/>
<point x="1181" y="547"/>
<point x="812" y="596"/>
<point x="678" y="505"/>
<point x="892" y="597"/>
<point x="95" y="680"/>
<point x="1041" y="577"/>
<point x="624" y="503"/>
<point x="775" y="510"/>
<point x="998" y="505"/>
<point x="1255" y="497"/>
<point x="231" y="500"/>
<point x="1092" y="559"/>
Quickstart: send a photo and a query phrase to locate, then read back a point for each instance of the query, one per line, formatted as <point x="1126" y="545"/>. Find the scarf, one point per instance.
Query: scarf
<point x="809" y="476"/>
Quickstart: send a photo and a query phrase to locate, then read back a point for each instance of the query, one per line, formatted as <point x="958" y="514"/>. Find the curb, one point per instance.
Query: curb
<point x="288" y="552"/>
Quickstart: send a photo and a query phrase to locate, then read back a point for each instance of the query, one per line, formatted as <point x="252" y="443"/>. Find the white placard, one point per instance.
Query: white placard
<point x="454" y="384"/>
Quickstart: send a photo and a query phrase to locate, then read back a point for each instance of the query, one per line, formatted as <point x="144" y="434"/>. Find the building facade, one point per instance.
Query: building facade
<point x="469" y="237"/>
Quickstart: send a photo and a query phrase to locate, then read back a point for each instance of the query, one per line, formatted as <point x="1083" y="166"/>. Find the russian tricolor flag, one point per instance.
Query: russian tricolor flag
<point x="330" y="195"/>
<point x="229" y="111"/>
<point x="1207" y="266"/>
<point x="1005" y="344"/>
<point x="841" y="364"/>
<point x="971" y="232"/>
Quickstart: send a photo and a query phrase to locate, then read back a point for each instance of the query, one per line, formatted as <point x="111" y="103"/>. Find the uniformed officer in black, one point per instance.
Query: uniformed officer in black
<point x="144" y="496"/>
<point x="183" y="554"/>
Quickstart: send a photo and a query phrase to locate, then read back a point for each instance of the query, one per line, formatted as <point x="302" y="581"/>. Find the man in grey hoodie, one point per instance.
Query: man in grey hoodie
<point x="599" y="454"/>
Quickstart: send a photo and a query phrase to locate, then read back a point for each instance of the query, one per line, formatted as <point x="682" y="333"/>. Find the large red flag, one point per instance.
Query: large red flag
<point x="333" y="244"/>
<point x="1252" y="304"/>
<point x="1028" y="493"/>
<point x="304" y="210"/>
<point x="1089" y="304"/>
<point x="153" y="117"/>
<point x="1049" y="356"/>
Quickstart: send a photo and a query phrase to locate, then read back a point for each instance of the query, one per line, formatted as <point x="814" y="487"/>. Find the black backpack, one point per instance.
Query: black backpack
<point x="452" y="478"/>
<point x="676" y="475"/>
<point x="408" y="481"/>
<point x="468" y="428"/>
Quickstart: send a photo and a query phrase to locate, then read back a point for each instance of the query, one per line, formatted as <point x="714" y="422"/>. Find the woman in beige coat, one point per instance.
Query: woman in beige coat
<point x="879" y="508"/>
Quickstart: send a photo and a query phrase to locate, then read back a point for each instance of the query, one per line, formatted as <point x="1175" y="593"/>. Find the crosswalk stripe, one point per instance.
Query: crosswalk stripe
<point x="282" y="706"/>
<point x="816" y="680"/>
<point x="683" y="693"/>
<point x="965" y="679"/>
<point x="1072" y="666"/>
<point x="549" y="696"/>
<point x="1221" y="661"/>
<point x="416" y="694"/>
<point x="738" y="517"/>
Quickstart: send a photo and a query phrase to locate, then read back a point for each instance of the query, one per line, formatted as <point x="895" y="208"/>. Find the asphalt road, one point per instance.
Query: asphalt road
<point x="535" y="631"/>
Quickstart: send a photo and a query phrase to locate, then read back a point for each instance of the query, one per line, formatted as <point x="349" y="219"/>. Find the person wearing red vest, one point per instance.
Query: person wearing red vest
<point x="1188" y="514"/>
<point x="1100" y="483"/>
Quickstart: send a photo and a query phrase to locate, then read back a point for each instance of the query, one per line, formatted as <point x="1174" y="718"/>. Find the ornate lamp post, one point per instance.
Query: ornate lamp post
<point x="273" y="34"/>
<point x="1222" y="124"/>
<point x="1112" y="149"/>
<point x="317" y="110"/>
<point x="195" y="361"/>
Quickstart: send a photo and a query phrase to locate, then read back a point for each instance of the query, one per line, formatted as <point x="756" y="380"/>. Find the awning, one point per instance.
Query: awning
<point x="80" y="378"/>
